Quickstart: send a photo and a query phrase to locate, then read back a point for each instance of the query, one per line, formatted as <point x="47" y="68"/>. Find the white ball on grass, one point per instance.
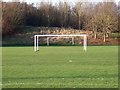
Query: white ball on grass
<point x="70" y="60"/>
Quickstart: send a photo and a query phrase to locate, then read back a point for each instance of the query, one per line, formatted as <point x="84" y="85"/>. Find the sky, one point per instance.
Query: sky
<point x="55" y="1"/>
<point x="34" y="1"/>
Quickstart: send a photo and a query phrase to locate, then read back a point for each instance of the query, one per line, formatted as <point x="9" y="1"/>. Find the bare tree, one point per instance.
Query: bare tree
<point x="65" y="12"/>
<point x="109" y="18"/>
<point x="13" y="16"/>
<point x="78" y="12"/>
<point x="95" y="21"/>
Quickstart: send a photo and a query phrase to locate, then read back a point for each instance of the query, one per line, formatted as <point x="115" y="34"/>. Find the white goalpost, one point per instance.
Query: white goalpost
<point x="36" y="37"/>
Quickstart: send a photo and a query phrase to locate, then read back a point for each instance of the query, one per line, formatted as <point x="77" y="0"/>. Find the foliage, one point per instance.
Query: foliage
<point x="13" y="16"/>
<point x="98" y="17"/>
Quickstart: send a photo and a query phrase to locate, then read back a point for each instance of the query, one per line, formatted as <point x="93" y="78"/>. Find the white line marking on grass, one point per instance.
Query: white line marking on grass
<point x="41" y="83"/>
<point x="38" y="83"/>
<point x="91" y="84"/>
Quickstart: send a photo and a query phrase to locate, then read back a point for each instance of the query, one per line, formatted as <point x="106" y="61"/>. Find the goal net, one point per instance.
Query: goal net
<point x="60" y="40"/>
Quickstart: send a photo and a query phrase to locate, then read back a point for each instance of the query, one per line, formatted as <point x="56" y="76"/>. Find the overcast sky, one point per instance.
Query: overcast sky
<point x="55" y="1"/>
<point x="34" y="1"/>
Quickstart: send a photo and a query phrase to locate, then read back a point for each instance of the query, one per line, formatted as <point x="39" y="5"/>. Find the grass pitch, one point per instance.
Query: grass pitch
<point x="60" y="67"/>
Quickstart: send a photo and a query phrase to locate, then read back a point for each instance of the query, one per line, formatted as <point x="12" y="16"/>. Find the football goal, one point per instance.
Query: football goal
<point x="36" y="40"/>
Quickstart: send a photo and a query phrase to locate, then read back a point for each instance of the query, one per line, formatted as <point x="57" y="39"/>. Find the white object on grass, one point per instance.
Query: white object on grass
<point x="36" y="37"/>
<point x="70" y="60"/>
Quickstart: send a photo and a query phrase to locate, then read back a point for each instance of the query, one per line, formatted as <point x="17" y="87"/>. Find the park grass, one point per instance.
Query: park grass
<point x="51" y="67"/>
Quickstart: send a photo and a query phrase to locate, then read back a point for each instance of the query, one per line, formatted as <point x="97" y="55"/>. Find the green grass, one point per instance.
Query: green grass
<point x="50" y="67"/>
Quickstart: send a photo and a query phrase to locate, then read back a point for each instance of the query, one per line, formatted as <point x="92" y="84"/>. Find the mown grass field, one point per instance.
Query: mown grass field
<point x="60" y="67"/>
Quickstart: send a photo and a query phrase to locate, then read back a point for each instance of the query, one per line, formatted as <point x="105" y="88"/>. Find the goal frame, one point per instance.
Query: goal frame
<point x="36" y="37"/>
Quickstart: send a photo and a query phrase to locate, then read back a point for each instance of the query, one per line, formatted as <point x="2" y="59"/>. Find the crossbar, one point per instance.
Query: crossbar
<point x="60" y="35"/>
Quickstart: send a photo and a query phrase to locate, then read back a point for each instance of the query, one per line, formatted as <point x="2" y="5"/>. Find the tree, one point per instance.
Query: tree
<point x="78" y="12"/>
<point x="61" y="10"/>
<point x="109" y="18"/>
<point x="95" y="20"/>
<point x="13" y="16"/>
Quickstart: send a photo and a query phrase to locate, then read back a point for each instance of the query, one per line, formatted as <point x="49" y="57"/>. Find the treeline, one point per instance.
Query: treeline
<point x="98" y="17"/>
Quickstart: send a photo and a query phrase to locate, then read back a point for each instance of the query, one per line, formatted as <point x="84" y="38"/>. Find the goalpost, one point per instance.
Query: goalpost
<point x="36" y="37"/>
